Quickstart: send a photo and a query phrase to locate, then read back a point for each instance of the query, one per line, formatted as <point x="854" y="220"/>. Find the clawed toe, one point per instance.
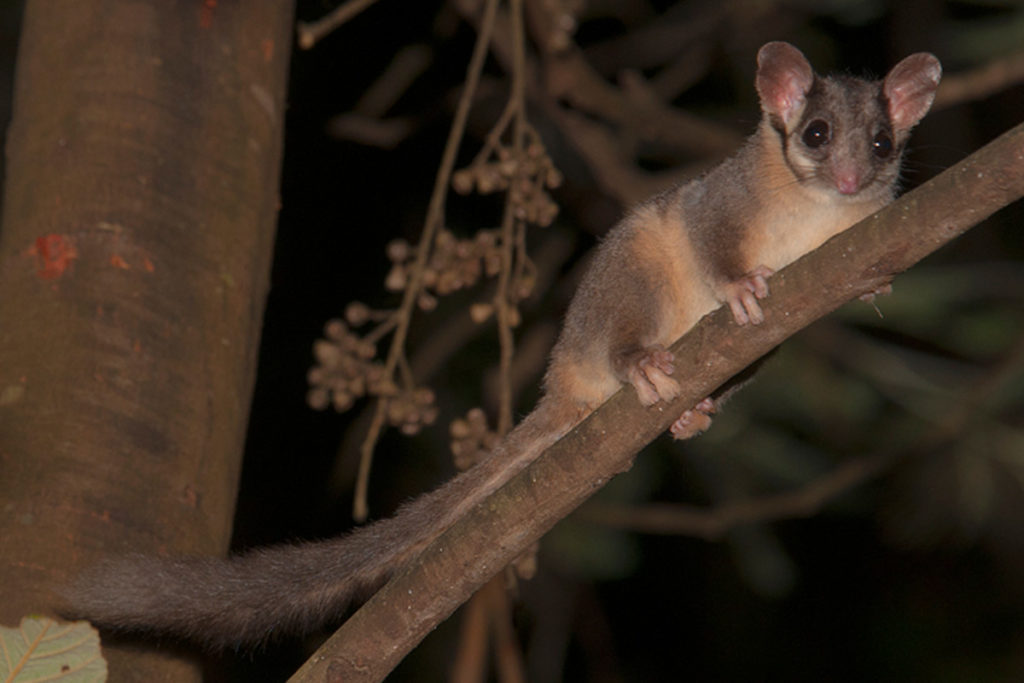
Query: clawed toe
<point x="742" y="295"/>
<point x="650" y="376"/>
<point x="694" y="421"/>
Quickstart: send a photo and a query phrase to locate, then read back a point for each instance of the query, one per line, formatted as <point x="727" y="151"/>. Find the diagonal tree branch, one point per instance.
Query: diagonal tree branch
<point x="858" y="261"/>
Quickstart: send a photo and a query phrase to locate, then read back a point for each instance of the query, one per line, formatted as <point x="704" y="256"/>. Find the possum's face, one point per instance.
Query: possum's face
<point x="840" y="135"/>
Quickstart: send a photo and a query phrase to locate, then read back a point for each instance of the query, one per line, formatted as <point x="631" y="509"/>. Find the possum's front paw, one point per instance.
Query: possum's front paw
<point x="649" y="373"/>
<point x="742" y="295"/>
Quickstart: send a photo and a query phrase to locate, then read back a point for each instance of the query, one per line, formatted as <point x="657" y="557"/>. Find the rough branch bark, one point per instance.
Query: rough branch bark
<point x="858" y="261"/>
<point x="141" y="196"/>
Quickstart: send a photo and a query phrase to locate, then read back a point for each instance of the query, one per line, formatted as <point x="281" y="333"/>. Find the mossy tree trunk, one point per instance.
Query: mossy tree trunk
<point x="141" y="197"/>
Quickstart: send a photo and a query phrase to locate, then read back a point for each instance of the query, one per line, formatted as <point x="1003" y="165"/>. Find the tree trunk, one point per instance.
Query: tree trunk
<point x="141" y="196"/>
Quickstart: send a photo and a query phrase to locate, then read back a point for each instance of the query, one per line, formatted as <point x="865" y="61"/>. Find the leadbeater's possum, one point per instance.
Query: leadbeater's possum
<point x="825" y="155"/>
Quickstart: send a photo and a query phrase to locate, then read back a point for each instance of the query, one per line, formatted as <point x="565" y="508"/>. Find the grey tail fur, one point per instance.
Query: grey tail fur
<point x="257" y="596"/>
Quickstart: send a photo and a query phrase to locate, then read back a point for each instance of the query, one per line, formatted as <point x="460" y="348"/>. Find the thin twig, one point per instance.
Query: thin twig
<point x="979" y="83"/>
<point x="309" y="33"/>
<point x="470" y="661"/>
<point x="503" y="297"/>
<point x="377" y="333"/>
<point x="507" y="651"/>
<point x="713" y="523"/>
<point x="493" y="139"/>
<point x="485" y="600"/>
<point x="403" y="70"/>
<point x="434" y="220"/>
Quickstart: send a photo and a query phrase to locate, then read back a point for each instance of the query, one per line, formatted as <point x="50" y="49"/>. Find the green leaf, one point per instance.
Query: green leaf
<point x="41" y="649"/>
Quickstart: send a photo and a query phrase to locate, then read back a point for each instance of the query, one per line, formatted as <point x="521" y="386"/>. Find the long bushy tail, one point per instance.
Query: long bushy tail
<point x="289" y="589"/>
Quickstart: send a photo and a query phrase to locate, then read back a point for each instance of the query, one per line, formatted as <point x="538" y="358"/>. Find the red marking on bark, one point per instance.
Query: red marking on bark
<point x="206" y="13"/>
<point x="55" y="253"/>
<point x="189" y="496"/>
<point x="118" y="262"/>
<point x="33" y="566"/>
<point x="147" y="264"/>
<point x="267" y="46"/>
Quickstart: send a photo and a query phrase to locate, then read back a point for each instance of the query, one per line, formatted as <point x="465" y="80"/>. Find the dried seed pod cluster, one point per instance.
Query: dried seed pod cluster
<point x="471" y="439"/>
<point x="526" y="178"/>
<point x="345" y="371"/>
<point x="412" y="410"/>
<point x="454" y="264"/>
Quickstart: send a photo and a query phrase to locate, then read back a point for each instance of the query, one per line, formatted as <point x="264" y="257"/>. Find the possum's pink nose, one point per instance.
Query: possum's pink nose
<point x="847" y="182"/>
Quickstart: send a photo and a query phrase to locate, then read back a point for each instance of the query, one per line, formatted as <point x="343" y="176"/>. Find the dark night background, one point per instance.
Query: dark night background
<point x="917" y="574"/>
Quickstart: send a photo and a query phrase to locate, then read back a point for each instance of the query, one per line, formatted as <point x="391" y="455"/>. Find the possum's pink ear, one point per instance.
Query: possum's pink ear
<point x="910" y="89"/>
<point x="784" y="76"/>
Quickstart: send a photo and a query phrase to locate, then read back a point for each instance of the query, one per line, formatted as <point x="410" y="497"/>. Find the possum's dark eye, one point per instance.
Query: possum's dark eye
<point x="882" y="145"/>
<point x="816" y="134"/>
